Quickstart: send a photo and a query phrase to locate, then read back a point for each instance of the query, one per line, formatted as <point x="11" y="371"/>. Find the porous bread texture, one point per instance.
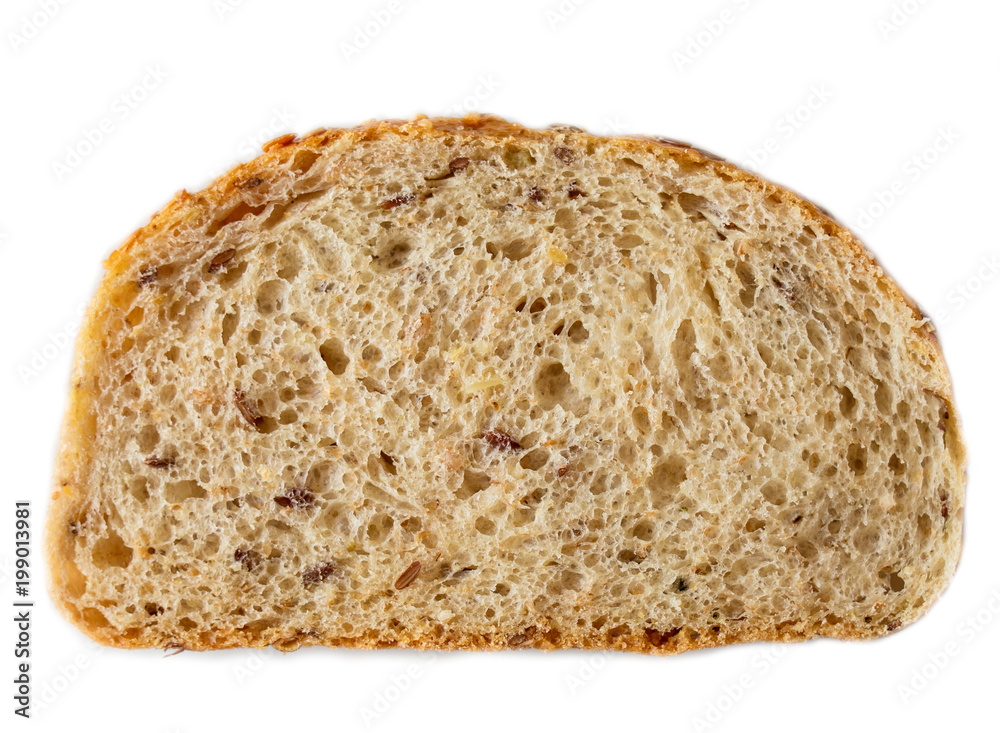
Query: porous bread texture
<point x="608" y="393"/>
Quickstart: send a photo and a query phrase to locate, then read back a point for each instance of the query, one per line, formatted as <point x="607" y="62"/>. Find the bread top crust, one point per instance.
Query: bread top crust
<point x="231" y="187"/>
<point x="250" y="184"/>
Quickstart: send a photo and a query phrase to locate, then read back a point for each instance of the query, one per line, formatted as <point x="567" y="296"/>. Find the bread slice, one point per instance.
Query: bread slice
<point x="454" y="383"/>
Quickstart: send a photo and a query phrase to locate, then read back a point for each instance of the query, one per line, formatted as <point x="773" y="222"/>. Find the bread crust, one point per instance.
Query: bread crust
<point x="247" y="183"/>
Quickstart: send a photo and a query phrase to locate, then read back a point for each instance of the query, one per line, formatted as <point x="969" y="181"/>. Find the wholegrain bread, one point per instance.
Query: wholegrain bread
<point x="461" y="384"/>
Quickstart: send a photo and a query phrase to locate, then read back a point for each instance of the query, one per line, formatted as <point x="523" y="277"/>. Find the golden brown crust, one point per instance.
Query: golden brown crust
<point x="248" y="183"/>
<point x="645" y="641"/>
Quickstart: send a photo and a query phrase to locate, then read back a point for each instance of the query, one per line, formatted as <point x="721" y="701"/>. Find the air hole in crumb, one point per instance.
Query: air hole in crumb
<point x="651" y="287"/>
<point x="535" y="459"/>
<point x="883" y="399"/>
<point x="578" y="333"/>
<point x="485" y="526"/>
<point x="178" y="491"/>
<point x="271" y="297"/>
<point x="692" y="204"/>
<point x="628" y="556"/>
<point x="517" y="158"/>
<point x="388" y="463"/>
<point x="304" y="160"/>
<point x="237" y="213"/>
<point x="522" y="516"/>
<point x="666" y="478"/>
<point x="111" y="551"/>
<point x="516" y="250"/>
<point x="806" y="549"/>
<point x="552" y="385"/>
<point x="332" y="352"/>
<point x="774" y="492"/>
<point x="749" y="290"/>
<point x="683" y="350"/>
<point x="628" y="241"/>
<point x="817" y="337"/>
<point x="379" y="528"/>
<point x="229" y="323"/>
<point x="289" y="264"/>
<point x="472" y="483"/>
<point x="640" y="418"/>
<point x="766" y="354"/>
<point x="848" y="404"/>
<point x="393" y="256"/>
<point x="711" y="298"/>
<point x="857" y="458"/>
<point x="643" y="530"/>
<point x="896" y="583"/>
<point x="720" y="367"/>
<point x="94" y="618"/>
<point x="139" y="488"/>
<point x="148" y="438"/>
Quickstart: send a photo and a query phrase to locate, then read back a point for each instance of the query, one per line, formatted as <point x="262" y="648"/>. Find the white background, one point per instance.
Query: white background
<point x="884" y="111"/>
